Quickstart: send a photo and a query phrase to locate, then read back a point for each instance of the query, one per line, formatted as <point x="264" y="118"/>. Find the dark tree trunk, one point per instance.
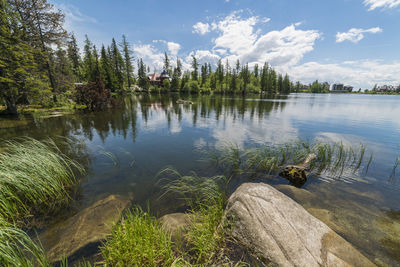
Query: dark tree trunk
<point x="11" y="107"/>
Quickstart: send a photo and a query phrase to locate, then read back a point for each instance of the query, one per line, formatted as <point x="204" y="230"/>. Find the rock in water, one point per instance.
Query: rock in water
<point x="296" y="174"/>
<point x="176" y="224"/>
<point x="85" y="231"/>
<point x="281" y="232"/>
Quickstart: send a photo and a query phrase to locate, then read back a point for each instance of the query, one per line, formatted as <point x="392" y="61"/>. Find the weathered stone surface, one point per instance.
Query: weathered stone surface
<point x="281" y="232"/>
<point x="85" y="230"/>
<point x="176" y="224"/>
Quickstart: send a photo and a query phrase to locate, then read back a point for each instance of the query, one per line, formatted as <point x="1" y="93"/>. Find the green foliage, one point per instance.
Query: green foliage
<point x="166" y="84"/>
<point x="138" y="240"/>
<point x="194" y="87"/>
<point x="19" y="72"/>
<point x="317" y="87"/>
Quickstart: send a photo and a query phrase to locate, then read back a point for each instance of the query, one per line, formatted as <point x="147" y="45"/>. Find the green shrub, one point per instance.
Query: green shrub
<point x="166" y="84"/>
<point x="194" y="87"/>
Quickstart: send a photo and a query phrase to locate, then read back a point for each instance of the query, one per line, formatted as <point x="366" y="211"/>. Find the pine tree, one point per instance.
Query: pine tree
<point x="167" y="64"/>
<point x="220" y="73"/>
<point x="178" y="68"/>
<point x="286" y="84"/>
<point x="62" y="69"/>
<point x="43" y="26"/>
<point x="117" y="65"/>
<point x="142" y="77"/>
<point x="106" y="71"/>
<point x="195" y="66"/>
<point x="245" y="75"/>
<point x="75" y="59"/>
<point x="280" y="83"/>
<point x="127" y="62"/>
<point x="88" y="61"/>
<point x="19" y="75"/>
<point x="203" y="74"/>
<point x="256" y="71"/>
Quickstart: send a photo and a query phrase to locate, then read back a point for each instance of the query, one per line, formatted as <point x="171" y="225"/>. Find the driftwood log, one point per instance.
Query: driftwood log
<point x="297" y="174"/>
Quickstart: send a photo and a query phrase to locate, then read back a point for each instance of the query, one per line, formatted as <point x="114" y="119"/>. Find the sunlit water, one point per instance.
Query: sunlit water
<point x="150" y="133"/>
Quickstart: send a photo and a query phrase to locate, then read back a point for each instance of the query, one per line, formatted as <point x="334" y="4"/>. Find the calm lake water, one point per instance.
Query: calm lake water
<point x="150" y="133"/>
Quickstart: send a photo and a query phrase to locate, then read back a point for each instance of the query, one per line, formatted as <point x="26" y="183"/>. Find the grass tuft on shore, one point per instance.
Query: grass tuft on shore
<point x="35" y="179"/>
<point x="138" y="240"/>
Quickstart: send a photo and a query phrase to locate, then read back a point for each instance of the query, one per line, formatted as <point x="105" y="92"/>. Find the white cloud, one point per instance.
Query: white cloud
<point x="240" y="39"/>
<point x="374" y="4"/>
<point x="205" y="56"/>
<point x="359" y="73"/>
<point x="173" y="48"/>
<point x="201" y="28"/>
<point x="150" y="55"/>
<point x="72" y="13"/>
<point x="355" y="35"/>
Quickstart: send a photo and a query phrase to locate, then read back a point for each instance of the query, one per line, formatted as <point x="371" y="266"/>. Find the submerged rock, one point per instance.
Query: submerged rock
<point x="176" y="224"/>
<point x="281" y="232"/>
<point x="83" y="233"/>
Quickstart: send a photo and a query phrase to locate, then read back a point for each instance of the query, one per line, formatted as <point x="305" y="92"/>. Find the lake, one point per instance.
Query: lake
<point x="125" y="148"/>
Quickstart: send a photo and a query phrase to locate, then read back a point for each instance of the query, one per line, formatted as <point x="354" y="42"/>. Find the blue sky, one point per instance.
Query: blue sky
<point x="351" y="41"/>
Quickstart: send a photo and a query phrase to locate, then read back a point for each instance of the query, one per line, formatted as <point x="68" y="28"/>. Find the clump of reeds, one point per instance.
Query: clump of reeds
<point x="395" y="166"/>
<point x="138" y="240"/>
<point x="192" y="188"/>
<point x="333" y="158"/>
<point x="17" y="248"/>
<point x="35" y="179"/>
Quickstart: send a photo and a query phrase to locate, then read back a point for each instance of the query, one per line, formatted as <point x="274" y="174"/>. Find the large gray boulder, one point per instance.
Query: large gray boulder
<point x="80" y="235"/>
<point x="280" y="232"/>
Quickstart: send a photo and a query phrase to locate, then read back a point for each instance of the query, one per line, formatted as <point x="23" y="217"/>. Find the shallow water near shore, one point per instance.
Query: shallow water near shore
<point x="125" y="148"/>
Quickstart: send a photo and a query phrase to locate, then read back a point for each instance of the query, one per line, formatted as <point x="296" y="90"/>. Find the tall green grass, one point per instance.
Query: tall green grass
<point x="138" y="240"/>
<point x="17" y="248"/>
<point x="35" y="179"/>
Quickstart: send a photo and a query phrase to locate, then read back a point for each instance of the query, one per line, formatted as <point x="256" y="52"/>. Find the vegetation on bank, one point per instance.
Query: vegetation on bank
<point x="36" y="181"/>
<point x="140" y="240"/>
